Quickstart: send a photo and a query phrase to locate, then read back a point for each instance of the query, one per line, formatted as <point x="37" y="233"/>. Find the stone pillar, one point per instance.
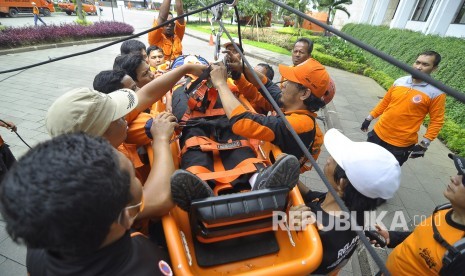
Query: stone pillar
<point x="442" y="17"/>
<point x="366" y="12"/>
<point x="403" y="13"/>
<point x="379" y="12"/>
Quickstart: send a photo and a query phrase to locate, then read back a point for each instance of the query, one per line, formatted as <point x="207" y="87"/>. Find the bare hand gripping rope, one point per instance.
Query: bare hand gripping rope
<point x="14" y="130"/>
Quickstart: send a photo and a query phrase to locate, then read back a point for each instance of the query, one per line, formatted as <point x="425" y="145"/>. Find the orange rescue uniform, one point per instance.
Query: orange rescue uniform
<point x="172" y="47"/>
<point x="403" y="110"/>
<point x="420" y="253"/>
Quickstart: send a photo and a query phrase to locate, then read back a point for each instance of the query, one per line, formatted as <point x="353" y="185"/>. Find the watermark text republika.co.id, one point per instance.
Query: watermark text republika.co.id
<point x="342" y="221"/>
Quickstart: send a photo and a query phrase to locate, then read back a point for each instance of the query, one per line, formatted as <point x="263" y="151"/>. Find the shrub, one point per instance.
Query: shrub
<point x="26" y="36"/>
<point x="332" y="61"/>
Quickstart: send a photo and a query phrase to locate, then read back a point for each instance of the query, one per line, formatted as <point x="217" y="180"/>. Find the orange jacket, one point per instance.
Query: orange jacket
<point x="420" y="253"/>
<point x="172" y="47"/>
<point x="273" y="129"/>
<point x="136" y="137"/>
<point x="250" y="92"/>
<point x="403" y="110"/>
<point x="301" y="124"/>
<point x="35" y="10"/>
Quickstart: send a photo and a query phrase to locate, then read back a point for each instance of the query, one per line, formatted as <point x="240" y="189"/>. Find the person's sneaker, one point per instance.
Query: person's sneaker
<point x="186" y="187"/>
<point x="283" y="173"/>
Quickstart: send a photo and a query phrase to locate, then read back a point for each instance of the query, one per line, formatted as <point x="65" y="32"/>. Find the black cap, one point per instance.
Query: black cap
<point x="459" y="163"/>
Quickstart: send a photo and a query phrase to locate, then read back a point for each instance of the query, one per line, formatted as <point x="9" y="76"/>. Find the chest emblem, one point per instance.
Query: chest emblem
<point x="416" y="99"/>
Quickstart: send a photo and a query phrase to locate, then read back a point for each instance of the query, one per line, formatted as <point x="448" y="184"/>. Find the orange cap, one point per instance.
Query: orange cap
<point x="310" y="74"/>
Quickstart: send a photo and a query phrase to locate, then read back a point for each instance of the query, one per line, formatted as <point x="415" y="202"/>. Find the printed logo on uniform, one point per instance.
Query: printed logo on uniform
<point x="416" y="99"/>
<point x="425" y="253"/>
<point x="165" y="268"/>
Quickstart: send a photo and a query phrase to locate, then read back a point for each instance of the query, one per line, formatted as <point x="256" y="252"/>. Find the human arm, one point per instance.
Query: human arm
<point x="269" y="128"/>
<point x="436" y="113"/>
<point x="179" y="11"/>
<point x="255" y="96"/>
<point x="218" y="77"/>
<point x="8" y="125"/>
<point x="156" y="35"/>
<point x="392" y="238"/>
<point x="157" y="189"/>
<point x="378" y="110"/>
<point x="157" y="88"/>
<point x="164" y="11"/>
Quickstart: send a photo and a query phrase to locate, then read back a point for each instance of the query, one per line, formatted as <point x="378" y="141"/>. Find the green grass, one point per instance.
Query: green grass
<point x="206" y="28"/>
<point x="267" y="46"/>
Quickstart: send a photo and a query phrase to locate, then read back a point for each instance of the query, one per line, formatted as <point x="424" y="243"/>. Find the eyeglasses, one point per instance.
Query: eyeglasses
<point x="140" y="205"/>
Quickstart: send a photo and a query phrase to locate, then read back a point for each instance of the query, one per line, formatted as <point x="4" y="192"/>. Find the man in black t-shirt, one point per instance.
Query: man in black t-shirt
<point x="71" y="201"/>
<point x="360" y="172"/>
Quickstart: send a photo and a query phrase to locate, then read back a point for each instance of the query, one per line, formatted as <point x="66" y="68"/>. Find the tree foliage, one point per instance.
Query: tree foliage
<point x="331" y="6"/>
<point x="254" y="7"/>
<point x="301" y="5"/>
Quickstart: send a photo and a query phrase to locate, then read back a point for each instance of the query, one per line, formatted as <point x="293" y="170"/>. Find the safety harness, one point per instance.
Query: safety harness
<point x="201" y="111"/>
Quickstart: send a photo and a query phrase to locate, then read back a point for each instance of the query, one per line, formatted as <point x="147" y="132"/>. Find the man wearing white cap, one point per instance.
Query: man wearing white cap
<point x="99" y="114"/>
<point x="360" y="172"/>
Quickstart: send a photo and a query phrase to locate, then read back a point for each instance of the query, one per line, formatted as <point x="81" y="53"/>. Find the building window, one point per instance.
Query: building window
<point x="460" y="19"/>
<point x="423" y="10"/>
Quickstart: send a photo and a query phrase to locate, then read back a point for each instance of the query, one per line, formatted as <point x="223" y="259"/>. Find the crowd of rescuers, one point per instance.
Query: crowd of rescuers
<point x="118" y="110"/>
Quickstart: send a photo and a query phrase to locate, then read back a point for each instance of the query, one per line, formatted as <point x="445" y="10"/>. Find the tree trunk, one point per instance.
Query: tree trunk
<point x="328" y="22"/>
<point x="79" y="10"/>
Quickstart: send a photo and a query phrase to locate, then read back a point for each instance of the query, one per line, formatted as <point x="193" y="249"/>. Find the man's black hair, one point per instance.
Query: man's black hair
<point x="131" y="46"/>
<point x="64" y="194"/>
<point x="269" y="70"/>
<point x="312" y="102"/>
<point x="109" y="80"/>
<point x="129" y="64"/>
<point x="353" y="199"/>
<point x="436" y="55"/>
<point x="154" y="48"/>
<point x="307" y="41"/>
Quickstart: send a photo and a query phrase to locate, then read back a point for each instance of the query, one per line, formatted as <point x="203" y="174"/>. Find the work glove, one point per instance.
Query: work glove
<point x="365" y="125"/>
<point x="418" y="151"/>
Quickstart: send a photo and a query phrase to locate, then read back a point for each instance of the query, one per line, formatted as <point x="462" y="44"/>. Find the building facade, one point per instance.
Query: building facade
<point x="437" y="17"/>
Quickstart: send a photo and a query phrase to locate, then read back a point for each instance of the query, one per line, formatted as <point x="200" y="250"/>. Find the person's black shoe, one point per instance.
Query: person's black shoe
<point x="283" y="173"/>
<point x="186" y="187"/>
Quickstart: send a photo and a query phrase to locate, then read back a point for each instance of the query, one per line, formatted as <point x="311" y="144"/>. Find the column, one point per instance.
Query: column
<point x="442" y="17"/>
<point x="366" y="12"/>
<point x="403" y="13"/>
<point x="379" y="12"/>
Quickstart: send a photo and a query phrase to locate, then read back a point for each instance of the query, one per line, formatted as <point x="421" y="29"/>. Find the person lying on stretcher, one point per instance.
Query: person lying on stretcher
<point x="217" y="128"/>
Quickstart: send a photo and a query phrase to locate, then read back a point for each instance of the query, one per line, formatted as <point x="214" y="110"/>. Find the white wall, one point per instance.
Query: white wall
<point x="457" y="30"/>
<point x="355" y="11"/>
<point x="415" y="25"/>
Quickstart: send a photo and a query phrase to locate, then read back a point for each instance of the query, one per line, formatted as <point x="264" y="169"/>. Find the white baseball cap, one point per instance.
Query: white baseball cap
<point x="371" y="169"/>
<point x="88" y="110"/>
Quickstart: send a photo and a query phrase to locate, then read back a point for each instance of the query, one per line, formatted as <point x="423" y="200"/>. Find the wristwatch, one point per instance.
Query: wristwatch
<point x="424" y="143"/>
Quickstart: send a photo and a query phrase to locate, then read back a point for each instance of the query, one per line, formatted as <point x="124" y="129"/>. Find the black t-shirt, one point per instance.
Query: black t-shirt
<point x="338" y="245"/>
<point x="127" y="256"/>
